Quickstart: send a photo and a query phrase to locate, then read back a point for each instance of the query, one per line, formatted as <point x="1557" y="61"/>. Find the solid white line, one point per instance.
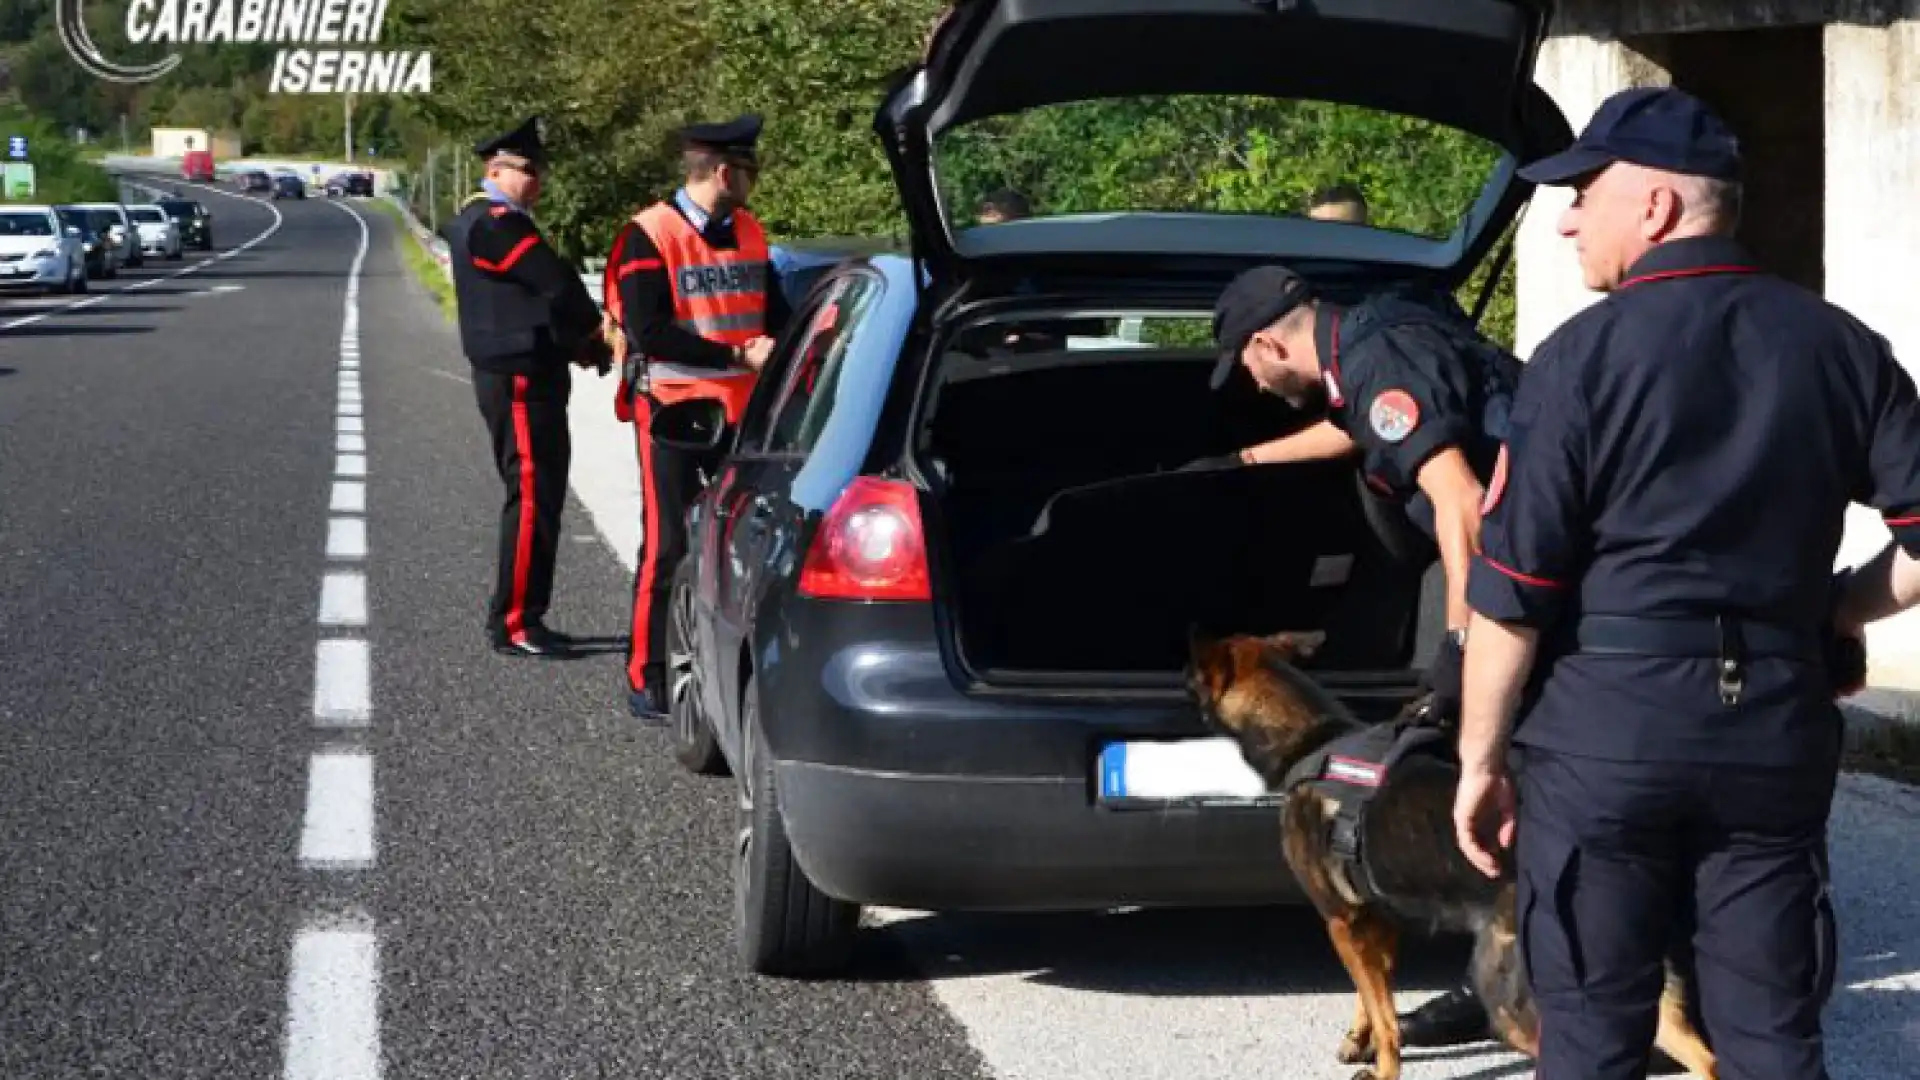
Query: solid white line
<point x="343" y="599"/>
<point x="349" y="497"/>
<point x="351" y="444"/>
<point x="346" y="538"/>
<point x="338" y="831"/>
<point x="182" y="272"/>
<point x="350" y="465"/>
<point x="352" y="423"/>
<point x="343" y="683"/>
<point x="333" y="1005"/>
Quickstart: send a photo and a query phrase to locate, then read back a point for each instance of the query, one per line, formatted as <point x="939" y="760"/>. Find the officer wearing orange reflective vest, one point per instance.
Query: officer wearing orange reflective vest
<point x="692" y="308"/>
<point x="524" y="317"/>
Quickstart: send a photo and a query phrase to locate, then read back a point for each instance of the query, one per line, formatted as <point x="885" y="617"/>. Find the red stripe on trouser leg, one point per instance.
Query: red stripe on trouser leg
<point x="637" y="651"/>
<point x="523" y="549"/>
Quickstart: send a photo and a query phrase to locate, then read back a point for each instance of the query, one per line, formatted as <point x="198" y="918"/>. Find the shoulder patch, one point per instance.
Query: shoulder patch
<point x="1497" y="486"/>
<point x="1393" y="415"/>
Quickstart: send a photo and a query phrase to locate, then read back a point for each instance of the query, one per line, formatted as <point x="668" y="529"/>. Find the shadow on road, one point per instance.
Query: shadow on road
<point x="83" y="330"/>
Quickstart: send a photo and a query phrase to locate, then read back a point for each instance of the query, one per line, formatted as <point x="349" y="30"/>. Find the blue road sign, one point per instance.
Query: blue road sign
<point x="17" y="147"/>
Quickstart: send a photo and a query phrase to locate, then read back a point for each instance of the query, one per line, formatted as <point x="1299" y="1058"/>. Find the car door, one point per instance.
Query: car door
<point x="752" y="482"/>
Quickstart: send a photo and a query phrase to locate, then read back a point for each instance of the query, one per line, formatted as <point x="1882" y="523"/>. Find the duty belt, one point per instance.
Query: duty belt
<point x="1729" y="640"/>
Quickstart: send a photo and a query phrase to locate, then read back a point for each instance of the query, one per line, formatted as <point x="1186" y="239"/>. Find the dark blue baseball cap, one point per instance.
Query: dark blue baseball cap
<point x="1655" y="126"/>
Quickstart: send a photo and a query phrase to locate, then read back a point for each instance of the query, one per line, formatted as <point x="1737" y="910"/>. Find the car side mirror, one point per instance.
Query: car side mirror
<point x="694" y="424"/>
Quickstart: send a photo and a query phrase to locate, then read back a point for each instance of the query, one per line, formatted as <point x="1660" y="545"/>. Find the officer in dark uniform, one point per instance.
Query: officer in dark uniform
<point x="1656" y="584"/>
<point x="1414" y="389"/>
<point x="524" y="317"/>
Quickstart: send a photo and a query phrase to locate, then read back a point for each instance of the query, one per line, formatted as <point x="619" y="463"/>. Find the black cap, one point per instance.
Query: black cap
<point x="1250" y="303"/>
<point x="523" y="141"/>
<point x="735" y="138"/>
<point x="1655" y="126"/>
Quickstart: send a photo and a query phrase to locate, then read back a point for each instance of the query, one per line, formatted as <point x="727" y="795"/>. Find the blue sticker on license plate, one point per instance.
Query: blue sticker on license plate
<point x="1192" y="771"/>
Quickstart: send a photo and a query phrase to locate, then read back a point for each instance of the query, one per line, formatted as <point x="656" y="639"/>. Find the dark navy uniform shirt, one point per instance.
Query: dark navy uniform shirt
<point x="1687" y="447"/>
<point x="1406" y="379"/>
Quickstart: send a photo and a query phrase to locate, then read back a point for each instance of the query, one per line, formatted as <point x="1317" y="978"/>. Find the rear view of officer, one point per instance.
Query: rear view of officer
<point x="1656" y="579"/>
<point x="524" y="316"/>
<point x="1422" y="398"/>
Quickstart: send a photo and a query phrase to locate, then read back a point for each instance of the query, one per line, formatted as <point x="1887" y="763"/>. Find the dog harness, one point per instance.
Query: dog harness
<point x="1350" y="770"/>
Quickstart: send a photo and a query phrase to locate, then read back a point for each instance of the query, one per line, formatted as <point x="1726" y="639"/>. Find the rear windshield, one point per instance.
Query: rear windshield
<point x="25" y="224"/>
<point x="150" y="214"/>
<point x="179" y="208"/>
<point x="1217" y="154"/>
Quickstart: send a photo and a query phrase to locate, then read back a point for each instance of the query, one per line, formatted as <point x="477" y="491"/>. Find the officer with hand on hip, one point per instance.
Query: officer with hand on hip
<point x="524" y="317"/>
<point x="1422" y="398"/>
<point x="1656" y="593"/>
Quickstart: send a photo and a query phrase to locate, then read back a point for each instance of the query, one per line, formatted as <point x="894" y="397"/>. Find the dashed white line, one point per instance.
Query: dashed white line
<point x="349" y="497"/>
<point x="343" y="683"/>
<point x="338" y="833"/>
<point x="348" y="443"/>
<point x="346" y="538"/>
<point x="350" y="465"/>
<point x="333" y="1005"/>
<point x="343" y="599"/>
<point x="352" y="423"/>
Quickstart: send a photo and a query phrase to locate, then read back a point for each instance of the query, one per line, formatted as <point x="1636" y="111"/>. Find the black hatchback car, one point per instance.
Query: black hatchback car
<point x="195" y="222"/>
<point x="937" y="602"/>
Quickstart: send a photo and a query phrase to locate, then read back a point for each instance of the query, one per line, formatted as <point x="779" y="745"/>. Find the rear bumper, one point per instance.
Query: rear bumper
<point x="898" y="789"/>
<point x="1020" y="844"/>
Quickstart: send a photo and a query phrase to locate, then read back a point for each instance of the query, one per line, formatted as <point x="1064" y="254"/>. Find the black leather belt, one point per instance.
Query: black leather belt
<point x="1730" y="640"/>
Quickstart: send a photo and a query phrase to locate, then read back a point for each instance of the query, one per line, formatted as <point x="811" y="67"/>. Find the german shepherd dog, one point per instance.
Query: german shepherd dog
<point x="1250" y="689"/>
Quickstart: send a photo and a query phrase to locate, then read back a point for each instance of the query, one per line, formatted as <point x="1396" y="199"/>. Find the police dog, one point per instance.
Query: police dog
<point x="1250" y="689"/>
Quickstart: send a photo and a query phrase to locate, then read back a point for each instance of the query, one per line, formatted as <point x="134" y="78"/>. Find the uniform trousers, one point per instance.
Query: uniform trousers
<point x="669" y="482"/>
<point x="1614" y="856"/>
<point x="526" y="418"/>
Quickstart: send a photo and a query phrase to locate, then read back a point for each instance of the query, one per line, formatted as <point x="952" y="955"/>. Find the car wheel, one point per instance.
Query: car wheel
<point x="782" y="924"/>
<point x="694" y="746"/>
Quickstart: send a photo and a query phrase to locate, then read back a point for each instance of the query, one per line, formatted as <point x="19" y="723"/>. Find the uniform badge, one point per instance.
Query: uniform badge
<point x="1333" y="389"/>
<point x="1498" y="485"/>
<point x="1393" y="415"/>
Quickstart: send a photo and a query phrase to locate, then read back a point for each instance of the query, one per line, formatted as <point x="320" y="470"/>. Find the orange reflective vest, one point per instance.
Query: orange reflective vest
<point x="720" y="295"/>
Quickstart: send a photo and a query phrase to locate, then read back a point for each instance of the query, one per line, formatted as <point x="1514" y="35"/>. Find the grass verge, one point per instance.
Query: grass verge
<point x="417" y="259"/>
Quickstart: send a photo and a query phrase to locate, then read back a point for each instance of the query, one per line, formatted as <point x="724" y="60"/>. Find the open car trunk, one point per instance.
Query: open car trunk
<point x="1072" y="550"/>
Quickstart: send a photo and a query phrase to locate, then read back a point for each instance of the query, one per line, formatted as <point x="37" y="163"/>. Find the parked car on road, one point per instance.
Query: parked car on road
<point x="936" y="609"/>
<point x="159" y="234"/>
<point x="101" y="253"/>
<point x="119" y="226"/>
<point x="194" y="220"/>
<point x="38" y="252"/>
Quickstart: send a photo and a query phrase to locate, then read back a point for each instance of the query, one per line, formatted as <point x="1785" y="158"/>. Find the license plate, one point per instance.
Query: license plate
<point x="1193" y="771"/>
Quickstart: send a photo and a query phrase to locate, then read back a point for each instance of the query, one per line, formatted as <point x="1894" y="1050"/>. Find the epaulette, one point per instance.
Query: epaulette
<point x="478" y="196"/>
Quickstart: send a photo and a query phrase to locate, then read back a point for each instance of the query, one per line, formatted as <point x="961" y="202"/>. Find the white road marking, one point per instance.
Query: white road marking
<point x="351" y="443"/>
<point x="182" y="272"/>
<point x="347" y="538"/>
<point x="352" y="424"/>
<point x="343" y="599"/>
<point x="338" y="829"/>
<point x="449" y="375"/>
<point x="349" y="497"/>
<point x="348" y="408"/>
<point x="333" y="1005"/>
<point x="350" y="465"/>
<point x="343" y="683"/>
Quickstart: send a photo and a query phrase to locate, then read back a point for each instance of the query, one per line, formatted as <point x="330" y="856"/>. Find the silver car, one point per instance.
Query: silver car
<point x="159" y="233"/>
<point x="124" y="234"/>
<point x="38" y="252"/>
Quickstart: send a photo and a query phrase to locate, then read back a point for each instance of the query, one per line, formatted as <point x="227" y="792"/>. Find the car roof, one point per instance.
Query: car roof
<point x="27" y="208"/>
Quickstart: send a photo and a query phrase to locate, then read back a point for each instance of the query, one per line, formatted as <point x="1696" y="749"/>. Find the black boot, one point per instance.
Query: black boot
<point x="1451" y="1019"/>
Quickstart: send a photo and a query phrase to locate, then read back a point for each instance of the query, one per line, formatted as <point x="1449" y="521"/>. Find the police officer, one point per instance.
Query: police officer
<point x="1414" y="390"/>
<point x="1656" y="584"/>
<point x="524" y="316"/>
<point x="691" y="298"/>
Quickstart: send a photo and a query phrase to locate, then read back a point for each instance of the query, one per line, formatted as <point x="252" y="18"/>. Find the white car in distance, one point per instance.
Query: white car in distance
<point x="159" y="233"/>
<point x="37" y="252"/>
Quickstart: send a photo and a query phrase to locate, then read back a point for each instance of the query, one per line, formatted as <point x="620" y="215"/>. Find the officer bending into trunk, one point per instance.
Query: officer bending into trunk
<point x="1422" y="397"/>
<point x="1656" y="579"/>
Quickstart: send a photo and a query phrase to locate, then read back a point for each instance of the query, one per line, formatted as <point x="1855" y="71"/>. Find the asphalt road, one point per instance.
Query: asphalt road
<point x="269" y="808"/>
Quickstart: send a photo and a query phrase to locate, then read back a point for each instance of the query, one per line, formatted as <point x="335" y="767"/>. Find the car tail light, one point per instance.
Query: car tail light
<point x="870" y="546"/>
